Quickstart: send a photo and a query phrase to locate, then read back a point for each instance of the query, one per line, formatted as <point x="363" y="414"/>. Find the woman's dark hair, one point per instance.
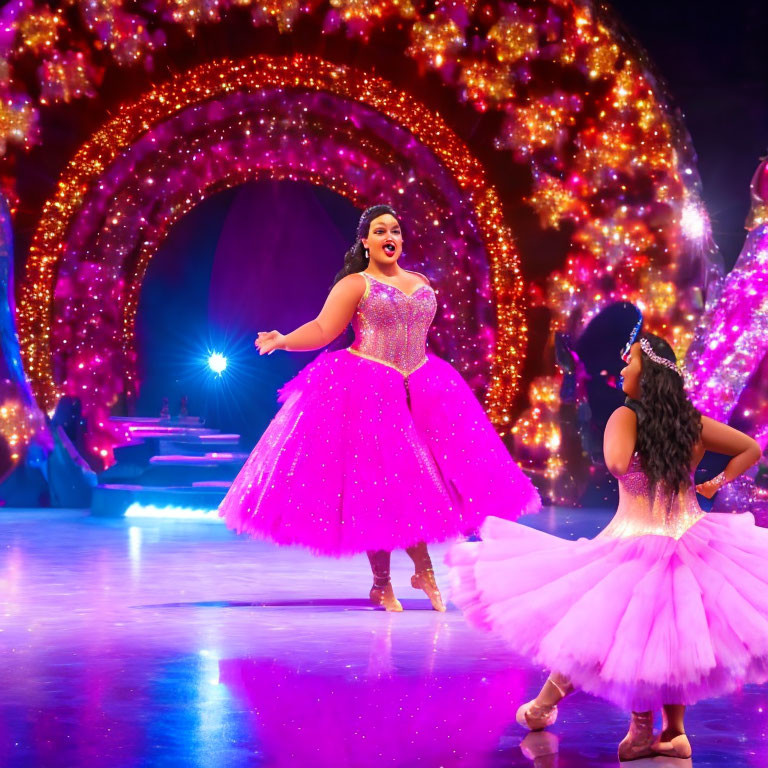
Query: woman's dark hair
<point x="668" y="425"/>
<point x="355" y="259"/>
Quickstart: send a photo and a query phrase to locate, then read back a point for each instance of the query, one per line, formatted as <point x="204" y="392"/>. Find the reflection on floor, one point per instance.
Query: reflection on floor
<point x="169" y="643"/>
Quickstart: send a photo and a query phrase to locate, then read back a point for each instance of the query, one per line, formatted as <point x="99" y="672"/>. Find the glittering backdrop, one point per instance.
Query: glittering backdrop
<point x="227" y="123"/>
<point x="732" y="338"/>
<point x="531" y="128"/>
<point x="20" y="419"/>
<point x="731" y="345"/>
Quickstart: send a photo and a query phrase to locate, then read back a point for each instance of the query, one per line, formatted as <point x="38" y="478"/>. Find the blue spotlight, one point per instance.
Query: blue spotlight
<point x="217" y="363"/>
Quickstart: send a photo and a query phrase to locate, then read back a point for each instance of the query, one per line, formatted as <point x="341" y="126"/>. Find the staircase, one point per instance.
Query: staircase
<point x="167" y="463"/>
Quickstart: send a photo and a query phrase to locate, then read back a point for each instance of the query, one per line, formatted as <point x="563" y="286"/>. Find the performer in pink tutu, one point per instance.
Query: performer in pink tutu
<point x="667" y="605"/>
<point x="381" y="445"/>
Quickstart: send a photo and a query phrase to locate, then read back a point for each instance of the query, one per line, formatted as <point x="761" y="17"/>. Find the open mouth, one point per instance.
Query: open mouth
<point x="389" y="248"/>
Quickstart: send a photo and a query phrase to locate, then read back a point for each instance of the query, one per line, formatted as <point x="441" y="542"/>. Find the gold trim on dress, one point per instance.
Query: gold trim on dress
<point x="367" y="289"/>
<point x="373" y="359"/>
<point x="391" y="285"/>
<point x="627" y="528"/>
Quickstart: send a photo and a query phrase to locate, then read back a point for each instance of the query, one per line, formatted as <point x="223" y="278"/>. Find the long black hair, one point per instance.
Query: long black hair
<point x="355" y="259"/>
<point x="668" y="424"/>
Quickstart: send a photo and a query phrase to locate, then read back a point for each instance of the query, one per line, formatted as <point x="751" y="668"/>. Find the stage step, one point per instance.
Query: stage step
<point x="140" y="451"/>
<point x="168" y="464"/>
<point x="215" y="458"/>
<point x="155" y="420"/>
<point x="186" y="470"/>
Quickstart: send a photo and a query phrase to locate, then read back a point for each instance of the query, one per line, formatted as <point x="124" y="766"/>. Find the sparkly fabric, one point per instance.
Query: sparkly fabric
<point x="363" y="457"/>
<point x="666" y="606"/>
<point x="391" y="327"/>
<point x="641" y="513"/>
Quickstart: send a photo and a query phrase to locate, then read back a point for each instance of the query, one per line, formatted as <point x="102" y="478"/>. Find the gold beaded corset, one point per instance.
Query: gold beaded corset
<point x="391" y="326"/>
<point x="645" y="511"/>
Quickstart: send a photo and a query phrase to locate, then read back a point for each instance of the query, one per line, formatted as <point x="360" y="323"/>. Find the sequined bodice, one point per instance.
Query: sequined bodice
<point x="391" y="326"/>
<point x="640" y="513"/>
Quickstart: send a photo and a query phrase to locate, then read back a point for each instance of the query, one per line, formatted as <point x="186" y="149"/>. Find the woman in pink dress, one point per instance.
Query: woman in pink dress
<point x="667" y="605"/>
<point x="381" y="445"/>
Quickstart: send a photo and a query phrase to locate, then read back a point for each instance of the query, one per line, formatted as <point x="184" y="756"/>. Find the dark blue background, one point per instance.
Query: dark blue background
<point x="255" y="258"/>
<point x="713" y="59"/>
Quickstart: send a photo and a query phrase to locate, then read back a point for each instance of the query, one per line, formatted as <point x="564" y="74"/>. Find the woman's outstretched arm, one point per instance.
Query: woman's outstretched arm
<point x="334" y="317"/>
<point x="721" y="438"/>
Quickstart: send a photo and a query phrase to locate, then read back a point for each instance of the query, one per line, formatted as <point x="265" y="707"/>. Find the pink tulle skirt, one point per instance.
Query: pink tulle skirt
<point x="354" y="461"/>
<point x="640" y="621"/>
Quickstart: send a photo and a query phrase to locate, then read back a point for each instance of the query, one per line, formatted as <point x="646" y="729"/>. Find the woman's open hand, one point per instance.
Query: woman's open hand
<point x="268" y="341"/>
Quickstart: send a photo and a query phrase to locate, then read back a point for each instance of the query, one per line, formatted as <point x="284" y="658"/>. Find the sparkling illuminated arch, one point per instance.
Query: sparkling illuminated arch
<point x="228" y="122"/>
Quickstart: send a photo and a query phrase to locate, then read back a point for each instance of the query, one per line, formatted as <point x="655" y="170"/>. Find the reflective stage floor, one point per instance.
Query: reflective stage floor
<point x="170" y="643"/>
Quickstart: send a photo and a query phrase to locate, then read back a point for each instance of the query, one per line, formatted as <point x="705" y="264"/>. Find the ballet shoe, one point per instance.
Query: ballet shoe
<point x="385" y="597"/>
<point x="425" y="580"/>
<point x="535" y="717"/>
<point x="639" y="741"/>
<point x="678" y="746"/>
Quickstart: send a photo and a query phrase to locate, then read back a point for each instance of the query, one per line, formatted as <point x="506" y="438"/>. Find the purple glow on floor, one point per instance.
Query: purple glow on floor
<point x="170" y="643"/>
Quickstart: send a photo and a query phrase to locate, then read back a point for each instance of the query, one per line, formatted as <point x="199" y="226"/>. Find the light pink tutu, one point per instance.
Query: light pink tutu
<point x="347" y="465"/>
<point x="639" y="620"/>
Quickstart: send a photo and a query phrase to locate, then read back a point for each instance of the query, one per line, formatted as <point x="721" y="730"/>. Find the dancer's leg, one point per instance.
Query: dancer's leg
<point x="639" y="740"/>
<point x="381" y="591"/>
<point x="424" y="576"/>
<point x="674" y="717"/>
<point x="542" y="711"/>
<point x="555" y="688"/>
<point x="673" y="740"/>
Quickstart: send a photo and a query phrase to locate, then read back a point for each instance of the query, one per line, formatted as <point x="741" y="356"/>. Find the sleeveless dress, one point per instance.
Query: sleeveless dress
<point x="667" y="605"/>
<point x="377" y="446"/>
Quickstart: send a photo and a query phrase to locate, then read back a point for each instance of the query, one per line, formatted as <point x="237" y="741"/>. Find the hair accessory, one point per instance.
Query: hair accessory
<point x="645" y="345"/>
<point x="632" y="337"/>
